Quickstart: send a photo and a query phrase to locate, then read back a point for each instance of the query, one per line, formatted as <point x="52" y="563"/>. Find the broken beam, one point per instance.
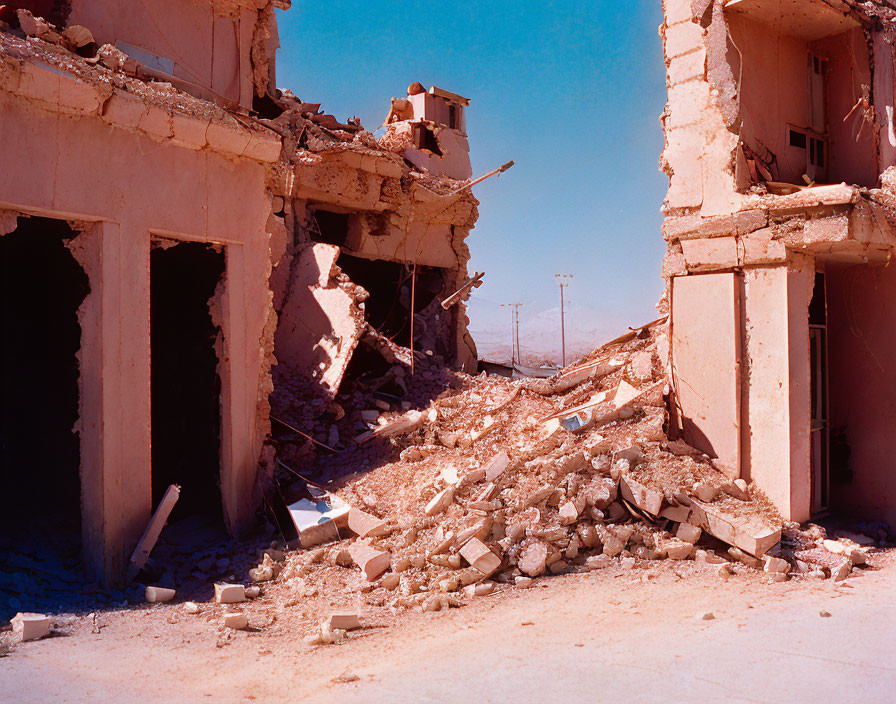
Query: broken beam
<point x="152" y="532"/>
<point x="475" y="282"/>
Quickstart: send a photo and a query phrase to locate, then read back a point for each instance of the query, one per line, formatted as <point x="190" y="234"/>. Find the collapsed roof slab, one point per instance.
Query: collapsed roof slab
<point x="321" y="320"/>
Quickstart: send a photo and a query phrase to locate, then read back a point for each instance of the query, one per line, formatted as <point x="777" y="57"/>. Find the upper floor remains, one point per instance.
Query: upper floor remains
<point x="218" y="50"/>
<point x="767" y="97"/>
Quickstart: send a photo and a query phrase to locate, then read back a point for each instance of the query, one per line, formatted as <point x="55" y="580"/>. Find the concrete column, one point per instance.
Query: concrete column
<point x="114" y="397"/>
<point x="239" y="389"/>
<point x="776" y="441"/>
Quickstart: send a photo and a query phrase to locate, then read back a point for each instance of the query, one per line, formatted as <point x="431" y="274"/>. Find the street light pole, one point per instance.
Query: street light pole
<point x="563" y="282"/>
<point x="514" y="331"/>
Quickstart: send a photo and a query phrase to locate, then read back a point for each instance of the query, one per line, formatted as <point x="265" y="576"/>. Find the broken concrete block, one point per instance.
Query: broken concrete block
<point x="402" y="425"/>
<point x="569" y="513"/>
<point x="616" y="512"/>
<point x="30" y="626"/>
<point x="440" y="502"/>
<point x="688" y="533"/>
<point x="496" y="466"/>
<point x="77" y="36"/>
<point x="706" y="492"/>
<point x="775" y="564"/>
<point x="365" y="525"/>
<point x="750" y="534"/>
<point x="533" y="559"/>
<point x="343" y="620"/>
<point x="737" y="489"/>
<point x="390" y="581"/>
<point x="612" y="545"/>
<point x="229" y="593"/>
<point x="372" y="562"/>
<point x="481" y="557"/>
<point x="480" y="589"/>
<point x="744" y="558"/>
<point x="678" y="514"/>
<point x="158" y="595"/>
<point x="625" y="393"/>
<point x="841" y="571"/>
<point x="237" y="621"/>
<point x="191" y="607"/>
<point x="253" y="592"/>
<point x="315" y="521"/>
<point x="31" y="25"/>
<point x="632" y="453"/>
<point x="639" y="495"/>
<point x="588" y="536"/>
<point x="598" y="562"/>
<point x="678" y="549"/>
<point x="834" y="546"/>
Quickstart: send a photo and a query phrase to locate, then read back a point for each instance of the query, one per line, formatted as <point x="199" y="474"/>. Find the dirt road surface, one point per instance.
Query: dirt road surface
<point x="609" y="636"/>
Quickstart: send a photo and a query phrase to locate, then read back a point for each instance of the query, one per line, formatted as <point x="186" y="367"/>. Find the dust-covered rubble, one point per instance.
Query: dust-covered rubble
<point x="490" y="488"/>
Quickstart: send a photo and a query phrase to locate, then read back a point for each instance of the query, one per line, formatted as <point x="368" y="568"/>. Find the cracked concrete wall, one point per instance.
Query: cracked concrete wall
<point x="220" y="45"/>
<point x="161" y="189"/>
<point x="731" y="92"/>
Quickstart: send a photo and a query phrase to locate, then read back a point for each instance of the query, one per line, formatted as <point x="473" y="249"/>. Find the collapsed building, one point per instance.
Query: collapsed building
<point x="781" y="152"/>
<point x="182" y="245"/>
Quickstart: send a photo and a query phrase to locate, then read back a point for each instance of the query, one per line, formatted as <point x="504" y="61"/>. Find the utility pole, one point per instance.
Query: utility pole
<point x="563" y="282"/>
<point x="514" y="331"/>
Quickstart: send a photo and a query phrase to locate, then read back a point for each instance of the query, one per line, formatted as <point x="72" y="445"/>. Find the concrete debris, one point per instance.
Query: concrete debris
<point x="153" y="530"/>
<point x="343" y="620"/>
<point x="30" y="626"/>
<point x="158" y="595"/>
<point x="503" y="495"/>
<point x="372" y="562"/>
<point x="237" y="621"/>
<point x="230" y="593"/>
<point x="479" y="556"/>
<point x="440" y="502"/>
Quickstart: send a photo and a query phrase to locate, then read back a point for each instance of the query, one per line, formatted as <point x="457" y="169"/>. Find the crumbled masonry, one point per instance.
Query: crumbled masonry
<point x="780" y="224"/>
<point x="336" y="249"/>
<point x="459" y="512"/>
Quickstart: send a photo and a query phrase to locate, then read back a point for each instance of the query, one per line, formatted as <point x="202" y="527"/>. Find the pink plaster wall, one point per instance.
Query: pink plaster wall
<point x="706" y="351"/>
<point x="862" y="371"/>
<point x="131" y="187"/>
<point x="776" y="376"/>
<point x="775" y="92"/>
<point x="884" y="80"/>
<point x="851" y="160"/>
<point x="208" y="47"/>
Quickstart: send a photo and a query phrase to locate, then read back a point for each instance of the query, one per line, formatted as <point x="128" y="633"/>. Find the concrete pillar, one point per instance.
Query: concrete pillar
<point x="238" y="367"/>
<point x="116" y="495"/>
<point x="776" y="441"/>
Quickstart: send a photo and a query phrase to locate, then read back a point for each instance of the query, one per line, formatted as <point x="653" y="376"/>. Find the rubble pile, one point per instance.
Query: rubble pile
<point x="497" y="483"/>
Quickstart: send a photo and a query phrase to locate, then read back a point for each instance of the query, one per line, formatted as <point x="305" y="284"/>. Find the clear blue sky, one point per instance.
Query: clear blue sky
<point x="571" y="91"/>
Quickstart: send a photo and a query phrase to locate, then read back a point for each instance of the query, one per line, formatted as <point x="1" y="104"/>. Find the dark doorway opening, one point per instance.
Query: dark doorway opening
<point x="41" y="288"/>
<point x="332" y="228"/>
<point x="185" y="386"/>
<point x="389" y="285"/>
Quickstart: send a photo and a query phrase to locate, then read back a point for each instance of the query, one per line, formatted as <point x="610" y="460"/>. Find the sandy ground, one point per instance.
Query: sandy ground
<point x="612" y="635"/>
